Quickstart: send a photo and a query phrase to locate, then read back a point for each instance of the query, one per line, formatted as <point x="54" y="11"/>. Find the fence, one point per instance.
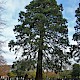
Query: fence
<point x="22" y="78"/>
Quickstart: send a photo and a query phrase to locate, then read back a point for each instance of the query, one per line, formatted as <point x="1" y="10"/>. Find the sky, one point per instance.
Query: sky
<point x="11" y="15"/>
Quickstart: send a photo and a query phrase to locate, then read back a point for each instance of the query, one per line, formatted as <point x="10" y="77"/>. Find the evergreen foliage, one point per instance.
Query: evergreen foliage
<point x="76" y="71"/>
<point x="75" y="49"/>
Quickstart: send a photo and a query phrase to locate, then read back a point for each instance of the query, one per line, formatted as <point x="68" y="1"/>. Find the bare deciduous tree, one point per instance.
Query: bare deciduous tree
<point x="2" y="23"/>
<point x="2" y="60"/>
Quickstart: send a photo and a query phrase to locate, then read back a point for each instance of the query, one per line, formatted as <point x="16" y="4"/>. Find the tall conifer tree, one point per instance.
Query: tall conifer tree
<point x="43" y="35"/>
<point x="76" y="37"/>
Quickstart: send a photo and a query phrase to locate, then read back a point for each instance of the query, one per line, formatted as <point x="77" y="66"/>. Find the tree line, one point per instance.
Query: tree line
<point x="73" y="73"/>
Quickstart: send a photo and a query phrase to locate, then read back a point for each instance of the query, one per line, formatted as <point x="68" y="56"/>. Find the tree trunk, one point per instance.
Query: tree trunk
<point x="39" y="66"/>
<point x="40" y="58"/>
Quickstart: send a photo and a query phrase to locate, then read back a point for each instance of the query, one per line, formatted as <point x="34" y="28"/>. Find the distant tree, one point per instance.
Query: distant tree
<point x="75" y="49"/>
<point x="42" y="35"/>
<point x="2" y="60"/>
<point x="31" y="74"/>
<point x="4" y="70"/>
<point x="2" y="23"/>
<point x="22" y="66"/>
<point x="65" y="74"/>
<point x="11" y="74"/>
<point x="18" y="68"/>
<point x="76" y="71"/>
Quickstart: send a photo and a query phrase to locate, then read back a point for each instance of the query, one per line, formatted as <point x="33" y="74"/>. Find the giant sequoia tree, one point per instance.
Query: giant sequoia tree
<point x="76" y="48"/>
<point x="42" y="34"/>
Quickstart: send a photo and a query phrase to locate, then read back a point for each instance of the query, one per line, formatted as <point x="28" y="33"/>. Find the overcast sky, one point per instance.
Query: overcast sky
<point x="11" y="13"/>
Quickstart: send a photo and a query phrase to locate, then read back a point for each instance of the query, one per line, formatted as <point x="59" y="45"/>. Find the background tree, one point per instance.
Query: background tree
<point x="42" y="35"/>
<point x="75" y="49"/>
<point x="20" y="67"/>
<point x="31" y="74"/>
<point x="65" y="74"/>
<point x="4" y="70"/>
<point x="2" y="23"/>
<point x="11" y="74"/>
<point x="2" y="60"/>
<point x="76" y="71"/>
